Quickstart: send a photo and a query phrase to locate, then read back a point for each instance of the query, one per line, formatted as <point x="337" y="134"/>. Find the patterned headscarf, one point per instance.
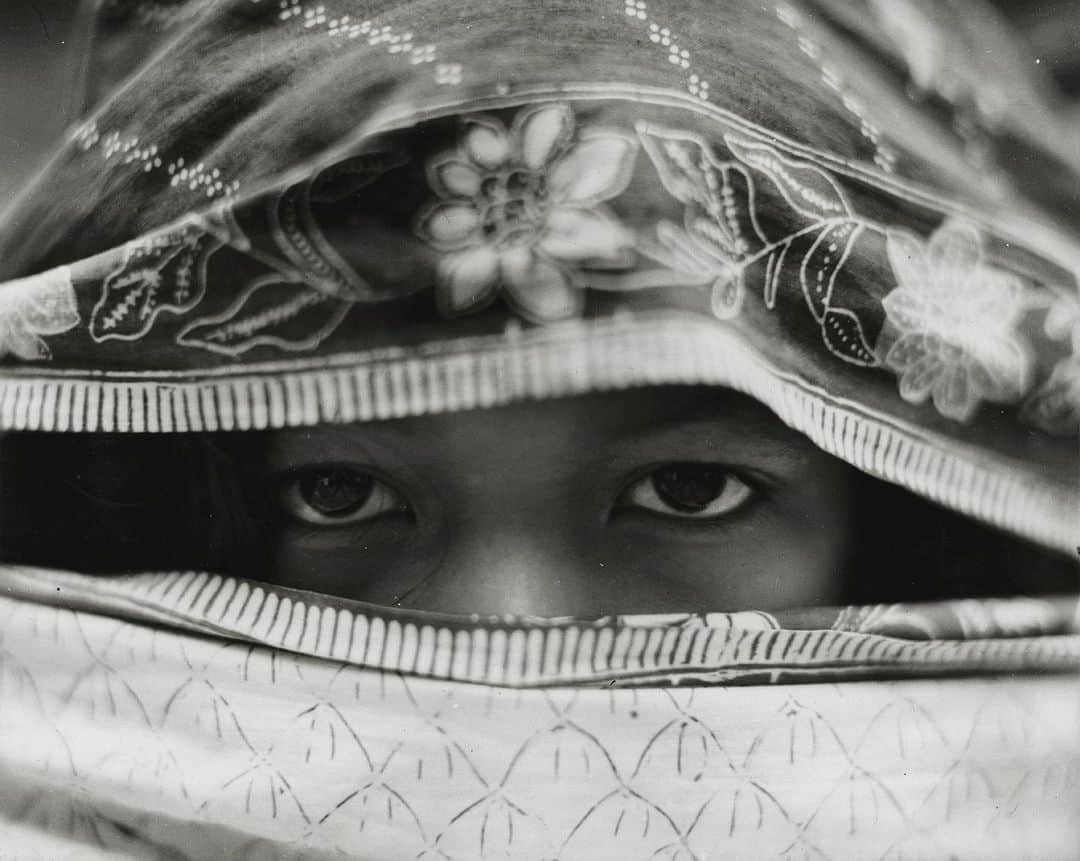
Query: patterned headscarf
<point x="297" y="215"/>
<point x="299" y="212"/>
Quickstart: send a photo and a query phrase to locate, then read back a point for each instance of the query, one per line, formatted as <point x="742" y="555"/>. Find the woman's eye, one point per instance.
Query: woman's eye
<point x="333" y="495"/>
<point x="691" y="490"/>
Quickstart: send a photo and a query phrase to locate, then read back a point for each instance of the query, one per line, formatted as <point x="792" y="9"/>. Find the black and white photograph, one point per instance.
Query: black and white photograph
<point x="556" y="430"/>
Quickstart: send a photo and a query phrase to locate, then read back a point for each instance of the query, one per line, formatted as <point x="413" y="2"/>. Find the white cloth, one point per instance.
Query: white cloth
<point x="122" y="740"/>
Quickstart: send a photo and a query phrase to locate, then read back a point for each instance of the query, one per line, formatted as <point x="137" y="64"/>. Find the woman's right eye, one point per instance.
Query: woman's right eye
<point x="697" y="491"/>
<point x="337" y="495"/>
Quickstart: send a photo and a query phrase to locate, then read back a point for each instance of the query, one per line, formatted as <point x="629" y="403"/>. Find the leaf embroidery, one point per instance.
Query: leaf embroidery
<point x="724" y="242"/>
<point x="807" y="188"/>
<point x="164" y="272"/>
<point x="272" y="312"/>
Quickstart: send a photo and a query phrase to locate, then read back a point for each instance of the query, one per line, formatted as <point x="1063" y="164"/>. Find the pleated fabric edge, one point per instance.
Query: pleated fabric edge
<point x="727" y="648"/>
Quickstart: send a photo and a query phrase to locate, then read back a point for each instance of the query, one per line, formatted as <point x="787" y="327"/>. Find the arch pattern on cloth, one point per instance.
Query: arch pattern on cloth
<point x="152" y="742"/>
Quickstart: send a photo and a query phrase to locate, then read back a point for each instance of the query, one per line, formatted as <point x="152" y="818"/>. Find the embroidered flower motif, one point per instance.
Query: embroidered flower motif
<point x="1055" y="405"/>
<point x="522" y="210"/>
<point x="32" y="307"/>
<point x="955" y="316"/>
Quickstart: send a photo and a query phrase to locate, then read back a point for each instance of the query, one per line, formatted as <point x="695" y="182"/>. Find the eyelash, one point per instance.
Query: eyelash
<point x="645" y="494"/>
<point x="379" y="500"/>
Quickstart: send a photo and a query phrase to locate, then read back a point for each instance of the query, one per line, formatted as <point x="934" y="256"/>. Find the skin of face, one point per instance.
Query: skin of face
<point x="543" y="509"/>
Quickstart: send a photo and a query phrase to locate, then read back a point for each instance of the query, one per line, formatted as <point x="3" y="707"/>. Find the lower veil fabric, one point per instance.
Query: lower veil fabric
<point x="123" y="739"/>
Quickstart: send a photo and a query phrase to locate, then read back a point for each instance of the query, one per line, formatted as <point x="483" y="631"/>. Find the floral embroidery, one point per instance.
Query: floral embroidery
<point x="1055" y="405"/>
<point x="43" y="305"/>
<point x="522" y="210"/>
<point x="955" y="316"/>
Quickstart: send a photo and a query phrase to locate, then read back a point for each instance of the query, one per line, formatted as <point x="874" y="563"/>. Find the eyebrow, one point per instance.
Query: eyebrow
<point x="724" y="408"/>
<point x="345" y="442"/>
<point x="723" y="437"/>
<point x="722" y="421"/>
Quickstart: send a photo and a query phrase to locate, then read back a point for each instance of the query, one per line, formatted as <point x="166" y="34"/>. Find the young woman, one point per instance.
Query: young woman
<point x="362" y="363"/>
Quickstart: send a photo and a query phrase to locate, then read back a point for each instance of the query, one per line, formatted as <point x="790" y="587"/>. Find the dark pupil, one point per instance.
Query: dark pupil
<point x="689" y="487"/>
<point x="336" y="491"/>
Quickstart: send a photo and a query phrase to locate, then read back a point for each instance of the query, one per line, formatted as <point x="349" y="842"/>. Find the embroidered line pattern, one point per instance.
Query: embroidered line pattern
<point x="272" y="311"/>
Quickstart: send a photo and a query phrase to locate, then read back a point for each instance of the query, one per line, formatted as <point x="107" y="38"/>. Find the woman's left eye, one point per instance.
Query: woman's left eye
<point x="689" y="490"/>
<point x="335" y="495"/>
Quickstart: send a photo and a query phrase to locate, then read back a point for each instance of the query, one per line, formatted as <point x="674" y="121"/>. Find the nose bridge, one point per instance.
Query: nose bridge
<point x="510" y="543"/>
<point x="513" y="563"/>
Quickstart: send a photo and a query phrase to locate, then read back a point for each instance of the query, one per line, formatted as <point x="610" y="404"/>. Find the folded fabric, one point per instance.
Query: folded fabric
<point x="817" y="644"/>
<point x="122" y="738"/>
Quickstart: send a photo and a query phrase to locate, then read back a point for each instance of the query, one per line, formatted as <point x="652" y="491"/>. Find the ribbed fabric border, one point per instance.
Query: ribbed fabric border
<point x="546" y="363"/>
<point x="514" y="654"/>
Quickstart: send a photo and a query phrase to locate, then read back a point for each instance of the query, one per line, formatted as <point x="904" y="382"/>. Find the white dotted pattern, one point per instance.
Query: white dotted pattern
<point x="448" y="73"/>
<point x="677" y="55"/>
<point x="884" y="155"/>
<point x="132" y="151"/>
<point x="316" y="16"/>
<point x="198" y="176"/>
<point x="209" y="180"/>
